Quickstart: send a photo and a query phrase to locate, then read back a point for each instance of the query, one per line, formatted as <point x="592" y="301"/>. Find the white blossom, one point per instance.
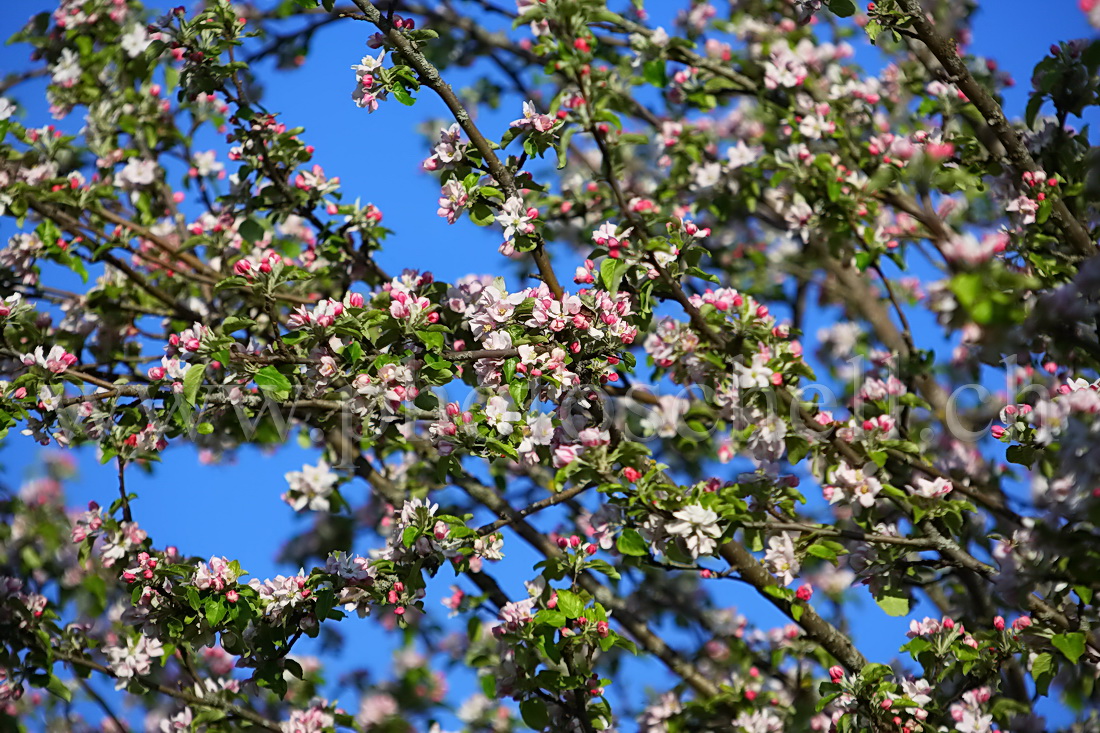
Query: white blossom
<point x="699" y="528"/>
<point x="135" y="41"/>
<point x="311" y="487"/>
<point x="137" y="172"/>
<point x="781" y="559"/>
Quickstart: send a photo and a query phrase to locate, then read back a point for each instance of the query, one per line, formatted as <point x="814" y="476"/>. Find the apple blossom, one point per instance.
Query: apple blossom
<point x="878" y="319"/>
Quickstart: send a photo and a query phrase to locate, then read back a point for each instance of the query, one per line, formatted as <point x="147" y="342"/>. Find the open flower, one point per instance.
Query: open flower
<point x="699" y="528"/>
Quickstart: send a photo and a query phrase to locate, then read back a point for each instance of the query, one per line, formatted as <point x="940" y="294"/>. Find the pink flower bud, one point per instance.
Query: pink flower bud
<point x="836" y="673"/>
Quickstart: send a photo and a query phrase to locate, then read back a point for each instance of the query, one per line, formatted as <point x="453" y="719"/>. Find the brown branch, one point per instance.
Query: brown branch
<point x="530" y="509"/>
<point x="126" y="515"/>
<point x="944" y="50"/>
<point x="187" y="697"/>
<point x="824" y="633"/>
<point x="824" y="530"/>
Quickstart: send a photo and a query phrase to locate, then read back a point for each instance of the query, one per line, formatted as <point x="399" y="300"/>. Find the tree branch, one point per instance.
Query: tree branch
<point x="945" y="52"/>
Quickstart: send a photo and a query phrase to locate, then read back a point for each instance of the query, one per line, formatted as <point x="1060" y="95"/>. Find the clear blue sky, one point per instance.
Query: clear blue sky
<point x="234" y="509"/>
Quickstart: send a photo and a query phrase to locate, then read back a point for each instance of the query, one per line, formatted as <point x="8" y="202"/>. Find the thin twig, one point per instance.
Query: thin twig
<point x="126" y="515"/>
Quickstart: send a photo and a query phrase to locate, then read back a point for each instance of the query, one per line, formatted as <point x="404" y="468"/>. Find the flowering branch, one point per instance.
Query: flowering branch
<point x="431" y="78"/>
<point x="944" y="51"/>
<point x="181" y="695"/>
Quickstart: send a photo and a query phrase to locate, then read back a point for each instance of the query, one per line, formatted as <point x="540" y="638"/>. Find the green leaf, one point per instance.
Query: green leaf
<point x="1021" y="455"/>
<point x="630" y="542"/>
<point x="230" y="282"/>
<point x="602" y="566"/>
<point x="408" y="537"/>
<point x="192" y="380"/>
<point x="611" y="274"/>
<point x="1033" y="106"/>
<point x="823" y="551"/>
<point x="534" y="713"/>
<point x="550" y="618"/>
<point x="403" y="96"/>
<point x="968" y="288"/>
<point x="353" y="352"/>
<point x="482" y="215"/>
<point x="843" y="8"/>
<point x="1072" y="645"/>
<point x="502" y="448"/>
<point x="270" y="379"/>
<point x="570" y="603"/>
<point x="894" y="602"/>
<point x="235" y="323"/>
<point x="59" y="688"/>
<point x="561" y="147"/>
<point x="215" y="612"/>
<point x="251" y="230"/>
<point x="519" y="390"/>
<point x="1042" y="671"/>
<point x="653" y="71"/>
<point x="432" y="339"/>
<point x="873" y="29"/>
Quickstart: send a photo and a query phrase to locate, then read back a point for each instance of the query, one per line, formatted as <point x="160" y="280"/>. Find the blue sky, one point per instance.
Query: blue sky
<point x="234" y="509"/>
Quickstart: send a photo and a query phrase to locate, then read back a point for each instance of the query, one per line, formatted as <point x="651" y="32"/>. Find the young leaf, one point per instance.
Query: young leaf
<point x="631" y="543"/>
<point x="192" y="380"/>
<point x="271" y="380"/>
<point x="1072" y="645"/>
